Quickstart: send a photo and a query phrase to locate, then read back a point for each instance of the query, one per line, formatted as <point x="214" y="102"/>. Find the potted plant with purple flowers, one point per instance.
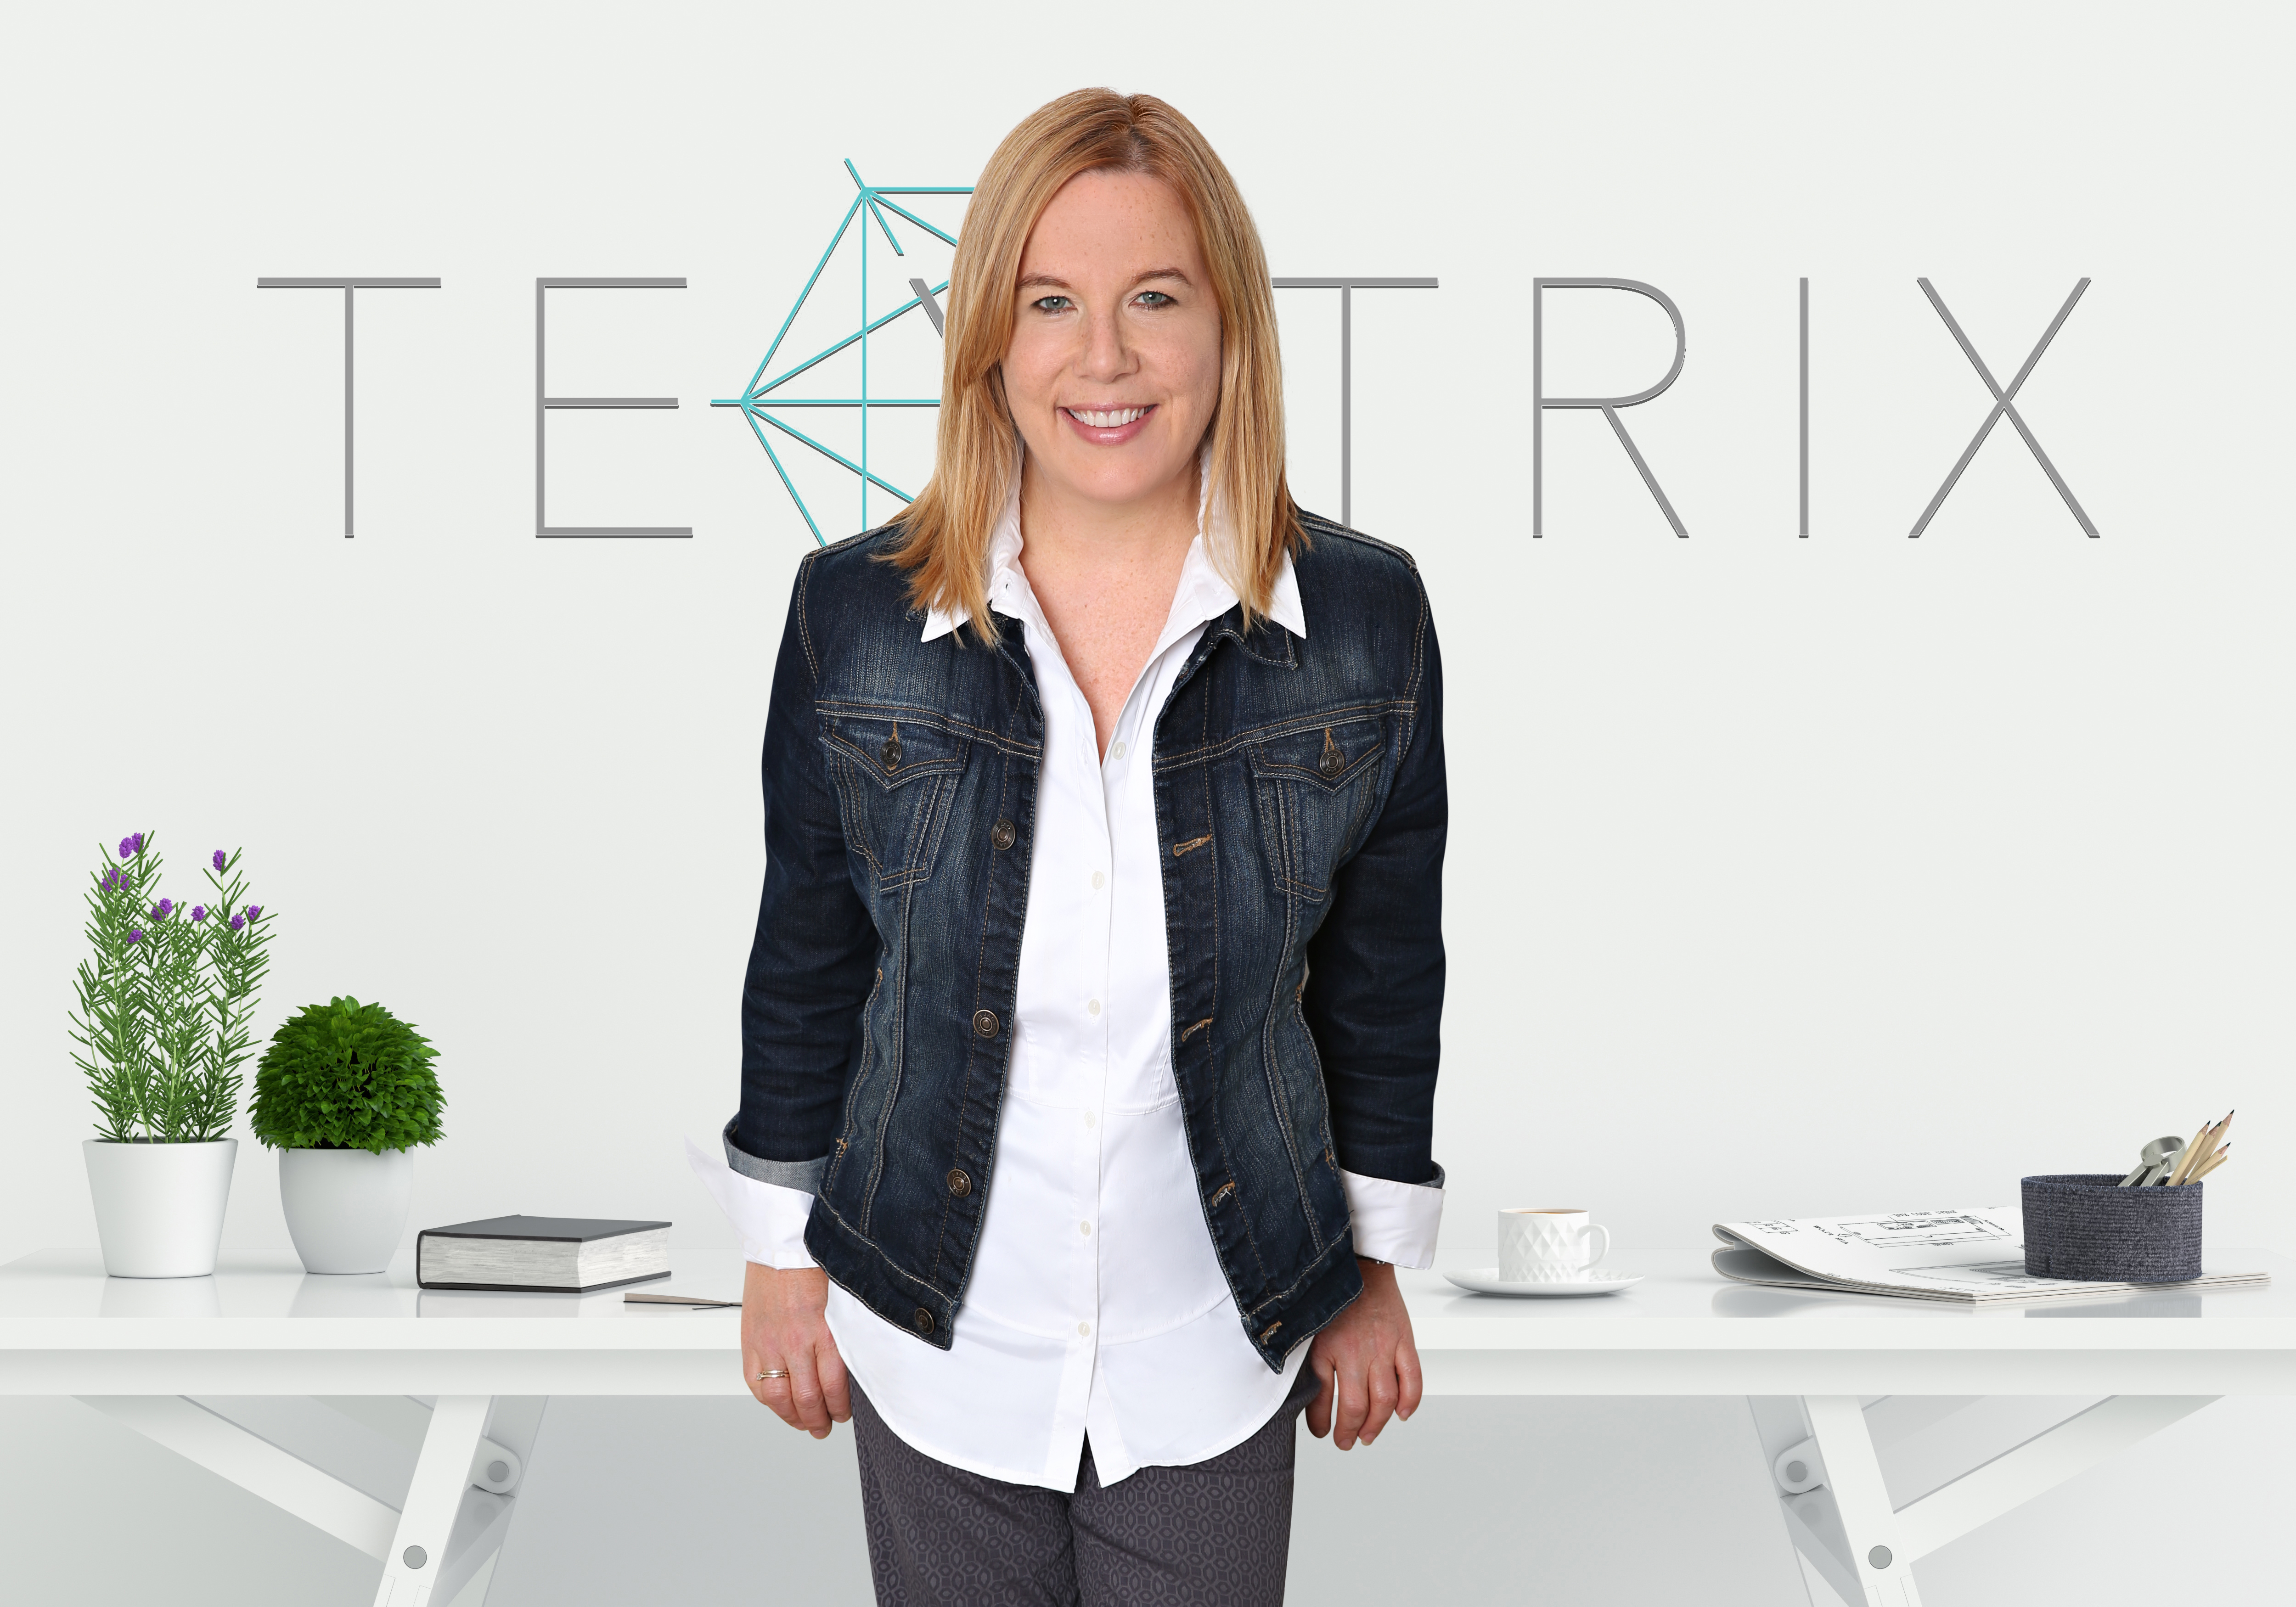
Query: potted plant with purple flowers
<point x="162" y="1029"/>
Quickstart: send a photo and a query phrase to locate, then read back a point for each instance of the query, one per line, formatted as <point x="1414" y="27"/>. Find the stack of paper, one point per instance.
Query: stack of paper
<point x="1972" y="1257"/>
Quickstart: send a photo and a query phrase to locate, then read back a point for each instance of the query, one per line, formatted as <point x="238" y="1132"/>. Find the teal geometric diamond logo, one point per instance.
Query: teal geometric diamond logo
<point x="908" y="358"/>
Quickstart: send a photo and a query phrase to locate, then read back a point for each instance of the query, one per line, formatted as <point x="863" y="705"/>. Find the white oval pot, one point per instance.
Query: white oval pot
<point x="346" y="1208"/>
<point x="159" y="1206"/>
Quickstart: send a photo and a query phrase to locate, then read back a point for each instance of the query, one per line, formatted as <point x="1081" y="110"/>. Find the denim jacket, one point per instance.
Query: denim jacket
<point x="1299" y="787"/>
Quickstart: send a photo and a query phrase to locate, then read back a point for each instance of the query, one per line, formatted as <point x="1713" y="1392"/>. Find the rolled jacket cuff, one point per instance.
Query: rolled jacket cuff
<point x="804" y="1175"/>
<point x="1394" y="1221"/>
<point x="769" y="1217"/>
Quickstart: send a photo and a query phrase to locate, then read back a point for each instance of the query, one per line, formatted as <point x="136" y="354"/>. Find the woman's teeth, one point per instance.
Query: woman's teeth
<point x="1113" y="418"/>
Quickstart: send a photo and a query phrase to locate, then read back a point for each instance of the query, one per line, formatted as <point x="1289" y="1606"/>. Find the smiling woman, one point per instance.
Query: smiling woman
<point x="1089" y="1038"/>
<point x="1183" y="287"/>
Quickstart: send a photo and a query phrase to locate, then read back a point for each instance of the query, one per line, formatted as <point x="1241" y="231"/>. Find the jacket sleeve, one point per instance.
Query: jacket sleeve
<point x="810" y="963"/>
<point x="1374" y="990"/>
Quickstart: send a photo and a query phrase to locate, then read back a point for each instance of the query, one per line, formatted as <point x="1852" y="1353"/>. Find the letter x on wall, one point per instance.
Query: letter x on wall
<point x="2005" y="406"/>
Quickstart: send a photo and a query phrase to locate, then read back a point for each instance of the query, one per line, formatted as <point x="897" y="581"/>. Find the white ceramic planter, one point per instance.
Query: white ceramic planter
<point x="159" y="1206"/>
<point x="346" y="1208"/>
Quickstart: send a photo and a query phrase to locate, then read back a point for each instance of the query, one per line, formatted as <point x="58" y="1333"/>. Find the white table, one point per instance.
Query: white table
<point x="244" y="1372"/>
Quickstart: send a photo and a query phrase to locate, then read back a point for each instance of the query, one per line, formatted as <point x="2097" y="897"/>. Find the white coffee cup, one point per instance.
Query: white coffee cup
<point x="1547" y="1243"/>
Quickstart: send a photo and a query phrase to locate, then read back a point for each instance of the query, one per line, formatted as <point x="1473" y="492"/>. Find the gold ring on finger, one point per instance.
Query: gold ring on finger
<point x="773" y="1372"/>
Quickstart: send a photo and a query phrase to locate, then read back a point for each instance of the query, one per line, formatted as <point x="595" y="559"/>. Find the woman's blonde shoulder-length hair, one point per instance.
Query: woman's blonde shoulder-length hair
<point x="946" y="531"/>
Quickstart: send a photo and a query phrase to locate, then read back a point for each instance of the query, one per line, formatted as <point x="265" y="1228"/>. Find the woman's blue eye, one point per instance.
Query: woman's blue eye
<point x="1155" y="298"/>
<point x="1050" y="304"/>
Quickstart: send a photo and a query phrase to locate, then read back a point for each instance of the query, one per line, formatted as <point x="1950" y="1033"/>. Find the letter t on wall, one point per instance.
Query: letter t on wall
<point x="346" y="286"/>
<point x="542" y="404"/>
<point x="1347" y="287"/>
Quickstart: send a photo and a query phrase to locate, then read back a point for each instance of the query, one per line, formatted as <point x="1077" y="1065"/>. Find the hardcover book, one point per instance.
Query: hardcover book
<point x="564" y="1255"/>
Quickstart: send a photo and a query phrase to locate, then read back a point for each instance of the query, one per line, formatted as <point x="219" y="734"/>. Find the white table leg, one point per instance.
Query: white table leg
<point x="1857" y="1548"/>
<point x="2040" y="1463"/>
<point x="439" y="1549"/>
<point x="442" y="1474"/>
<point x="231" y="1452"/>
<point x="1878" y="1557"/>
<point x="483" y="1521"/>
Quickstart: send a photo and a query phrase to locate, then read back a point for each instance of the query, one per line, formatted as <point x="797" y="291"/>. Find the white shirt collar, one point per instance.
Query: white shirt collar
<point x="1202" y="595"/>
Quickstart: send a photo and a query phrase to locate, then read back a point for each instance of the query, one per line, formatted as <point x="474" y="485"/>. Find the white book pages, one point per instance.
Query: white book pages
<point x="1973" y="1255"/>
<point x="543" y="1263"/>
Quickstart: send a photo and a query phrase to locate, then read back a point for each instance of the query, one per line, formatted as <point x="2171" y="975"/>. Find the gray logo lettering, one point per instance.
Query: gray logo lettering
<point x="2003" y="402"/>
<point x="346" y="286"/>
<point x="1609" y="405"/>
<point x="542" y="404"/>
<point x="1348" y="287"/>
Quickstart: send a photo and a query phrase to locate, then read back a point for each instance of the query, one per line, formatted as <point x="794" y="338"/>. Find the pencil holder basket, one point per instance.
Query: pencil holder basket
<point x="2085" y="1227"/>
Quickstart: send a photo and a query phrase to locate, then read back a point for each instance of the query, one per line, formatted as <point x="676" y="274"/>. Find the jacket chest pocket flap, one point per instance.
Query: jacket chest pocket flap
<point x="1315" y="788"/>
<point x="894" y="778"/>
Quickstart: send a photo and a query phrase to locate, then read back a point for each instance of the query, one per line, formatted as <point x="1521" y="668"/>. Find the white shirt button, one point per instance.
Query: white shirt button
<point x="1088" y="1119"/>
<point x="1085" y="1329"/>
<point x="1091" y="1008"/>
<point x="1085" y="1229"/>
<point x="1098" y="881"/>
<point x="1117" y="751"/>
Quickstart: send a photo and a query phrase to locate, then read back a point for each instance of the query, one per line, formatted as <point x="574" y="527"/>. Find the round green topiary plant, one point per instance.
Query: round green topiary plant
<point x="345" y="1075"/>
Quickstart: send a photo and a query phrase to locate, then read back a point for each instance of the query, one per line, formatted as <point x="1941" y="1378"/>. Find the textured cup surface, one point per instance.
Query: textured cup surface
<point x="2085" y="1227"/>
<point x="1539" y="1246"/>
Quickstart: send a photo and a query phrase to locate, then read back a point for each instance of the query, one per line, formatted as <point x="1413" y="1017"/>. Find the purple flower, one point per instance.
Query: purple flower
<point x="237" y="922"/>
<point x="111" y="879"/>
<point x="254" y="910"/>
<point x="163" y="909"/>
<point x="127" y="848"/>
<point x="199" y="912"/>
<point x="134" y="937"/>
<point x="219" y="859"/>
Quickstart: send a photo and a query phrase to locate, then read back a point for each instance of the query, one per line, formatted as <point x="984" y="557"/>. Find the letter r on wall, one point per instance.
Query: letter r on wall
<point x="1608" y="404"/>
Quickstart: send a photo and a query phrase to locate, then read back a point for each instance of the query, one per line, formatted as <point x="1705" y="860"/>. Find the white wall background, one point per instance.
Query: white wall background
<point x="1787" y="876"/>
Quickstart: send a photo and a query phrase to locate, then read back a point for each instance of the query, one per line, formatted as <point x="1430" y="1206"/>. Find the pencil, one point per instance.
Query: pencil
<point x="2186" y="1161"/>
<point x="2211" y="1164"/>
<point x="2211" y="1138"/>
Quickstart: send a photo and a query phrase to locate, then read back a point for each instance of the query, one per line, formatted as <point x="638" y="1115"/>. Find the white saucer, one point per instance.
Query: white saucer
<point x="1485" y="1280"/>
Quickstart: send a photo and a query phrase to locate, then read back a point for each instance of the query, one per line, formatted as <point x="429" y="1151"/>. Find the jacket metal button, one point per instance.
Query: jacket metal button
<point x="922" y="1322"/>
<point x="890" y="755"/>
<point x="1001" y="834"/>
<point x="959" y="1184"/>
<point x="1334" y="762"/>
<point x="984" y="1023"/>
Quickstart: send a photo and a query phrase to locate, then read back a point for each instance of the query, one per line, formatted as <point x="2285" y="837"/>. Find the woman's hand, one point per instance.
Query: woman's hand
<point x="1367" y="1361"/>
<point x="784" y="1328"/>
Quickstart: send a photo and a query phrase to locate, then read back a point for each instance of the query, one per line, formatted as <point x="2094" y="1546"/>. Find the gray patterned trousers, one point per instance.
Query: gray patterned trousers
<point x="1216" y="1534"/>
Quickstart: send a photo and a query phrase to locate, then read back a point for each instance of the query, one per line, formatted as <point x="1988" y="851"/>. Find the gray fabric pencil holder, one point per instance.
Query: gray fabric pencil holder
<point x="2085" y="1227"/>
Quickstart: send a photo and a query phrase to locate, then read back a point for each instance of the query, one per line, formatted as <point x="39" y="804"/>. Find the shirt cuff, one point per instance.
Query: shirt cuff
<point x="1395" y="1221"/>
<point x="769" y="1218"/>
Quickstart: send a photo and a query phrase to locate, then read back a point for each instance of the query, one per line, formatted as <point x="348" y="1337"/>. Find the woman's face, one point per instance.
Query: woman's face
<point x="1114" y="367"/>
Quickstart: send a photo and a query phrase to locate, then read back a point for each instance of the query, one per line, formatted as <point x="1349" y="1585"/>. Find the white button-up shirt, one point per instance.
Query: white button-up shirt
<point x="1097" y="1304"/>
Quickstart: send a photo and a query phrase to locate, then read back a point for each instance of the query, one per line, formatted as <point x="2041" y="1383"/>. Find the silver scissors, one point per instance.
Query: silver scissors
<point x="2158" y="1159"/>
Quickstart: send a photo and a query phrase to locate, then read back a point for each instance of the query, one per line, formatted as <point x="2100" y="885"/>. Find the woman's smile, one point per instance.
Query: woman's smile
<point x="1108" y="426"/>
